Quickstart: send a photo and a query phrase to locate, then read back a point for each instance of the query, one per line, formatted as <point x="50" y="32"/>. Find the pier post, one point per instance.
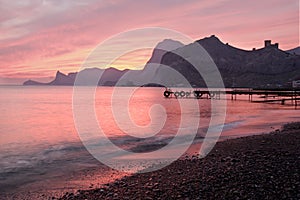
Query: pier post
<point x="250" y="97"/>
<point x="295" y="98"/>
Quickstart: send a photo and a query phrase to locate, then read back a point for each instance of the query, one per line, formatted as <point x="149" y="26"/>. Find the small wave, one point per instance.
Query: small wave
<point x="228" y="126"/>
<point x="12" y="162"/>
<point x="143" y="148"/>
<point x="63" y="148"/>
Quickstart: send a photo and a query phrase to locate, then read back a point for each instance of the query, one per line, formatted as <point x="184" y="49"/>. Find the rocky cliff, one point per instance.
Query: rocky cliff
<point x="268" y="66"/>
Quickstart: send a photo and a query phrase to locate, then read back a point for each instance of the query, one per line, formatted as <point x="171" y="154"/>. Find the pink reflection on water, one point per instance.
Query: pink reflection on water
<point x="35" y="119"/>
<point x="139" y="111"/>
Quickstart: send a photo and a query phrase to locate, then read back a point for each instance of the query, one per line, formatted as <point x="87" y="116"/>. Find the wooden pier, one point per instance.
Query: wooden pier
<point x="267" y="95"/>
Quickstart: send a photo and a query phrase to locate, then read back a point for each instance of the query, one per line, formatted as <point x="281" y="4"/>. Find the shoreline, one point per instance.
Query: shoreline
<point x="253" y="167"/>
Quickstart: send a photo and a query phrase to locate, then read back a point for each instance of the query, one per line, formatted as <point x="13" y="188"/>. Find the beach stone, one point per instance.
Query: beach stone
<point x="256" y="167"/>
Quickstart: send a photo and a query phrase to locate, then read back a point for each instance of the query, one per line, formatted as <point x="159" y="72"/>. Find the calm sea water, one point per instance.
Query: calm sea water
<point x="39" y="141"/>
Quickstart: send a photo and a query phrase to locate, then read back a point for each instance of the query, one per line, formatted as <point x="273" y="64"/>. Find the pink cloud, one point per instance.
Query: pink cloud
<point x="47" y="35"/>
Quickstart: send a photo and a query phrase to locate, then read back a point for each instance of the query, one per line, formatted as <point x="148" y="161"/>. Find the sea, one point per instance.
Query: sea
<point x="44" y="132"/>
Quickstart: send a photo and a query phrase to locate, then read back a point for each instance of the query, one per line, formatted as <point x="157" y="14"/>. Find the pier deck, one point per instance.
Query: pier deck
<point x="268" y="95"/>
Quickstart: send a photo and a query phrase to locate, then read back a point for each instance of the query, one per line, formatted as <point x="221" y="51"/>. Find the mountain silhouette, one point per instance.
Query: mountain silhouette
<point x="265" y="67"/>
<point x="268" y="66"/>
<point x="294" y="51"/>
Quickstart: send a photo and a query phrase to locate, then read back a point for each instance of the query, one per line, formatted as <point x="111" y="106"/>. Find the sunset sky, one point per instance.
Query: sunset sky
<point x="39" y="37"/>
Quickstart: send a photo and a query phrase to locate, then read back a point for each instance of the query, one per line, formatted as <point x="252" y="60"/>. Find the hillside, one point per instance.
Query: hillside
<point x="264" y="67"/>
<point x="294" y="51"/>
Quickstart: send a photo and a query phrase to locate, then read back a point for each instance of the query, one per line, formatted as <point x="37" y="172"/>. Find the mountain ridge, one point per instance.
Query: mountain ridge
<point x="294" y="51"/>
<point x="267" y="66"/>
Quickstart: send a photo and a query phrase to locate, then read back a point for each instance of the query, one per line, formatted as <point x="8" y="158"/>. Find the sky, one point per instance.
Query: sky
<point x="39" y="37"/>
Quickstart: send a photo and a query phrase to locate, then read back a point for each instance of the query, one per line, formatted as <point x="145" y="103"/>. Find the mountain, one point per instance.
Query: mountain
<point x="294" y="51"/>
<point x="112" y="76"/>
<point x="147" y="75"/>
<point x="162" y="48"/>
<point x="265" y="67"/>
<point x="268" y="66"/>
<point x="109" y="77"/>
<point x="31" y="82"/>
<point x="62" y="79"/>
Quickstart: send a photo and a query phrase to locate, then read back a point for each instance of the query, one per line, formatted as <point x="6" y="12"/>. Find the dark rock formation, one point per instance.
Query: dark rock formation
<point x="62" y="79"/>
<point x="294" y="51"/>
<point x="31" y="82"/>
<point x="264" y="67"/>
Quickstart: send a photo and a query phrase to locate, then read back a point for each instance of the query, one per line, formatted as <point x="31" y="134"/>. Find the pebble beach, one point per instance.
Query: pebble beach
<point x="254" y="167"/>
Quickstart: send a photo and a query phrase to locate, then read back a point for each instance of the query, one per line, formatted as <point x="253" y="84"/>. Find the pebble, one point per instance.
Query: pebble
<point x="256" y="167"/>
